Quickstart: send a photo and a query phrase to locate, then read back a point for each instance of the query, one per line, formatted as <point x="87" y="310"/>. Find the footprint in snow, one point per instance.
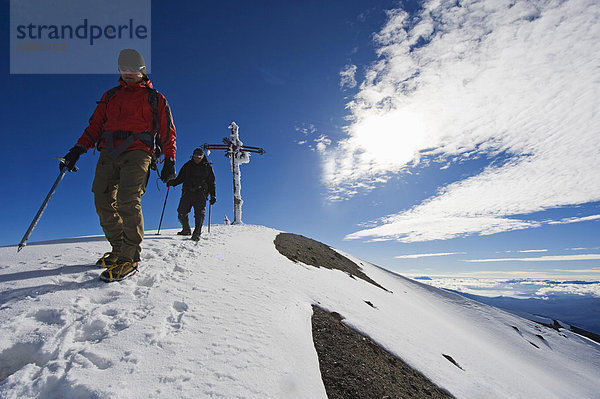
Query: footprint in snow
<point x="93" y="331"/>
<point x="110" y="312"/>
<point x="108" y="298"/>
<point x="175" y="321"/>
<point x="146" y="281"/>
<point x="49" y="316"/>
<point x="19" y="355"/>
<point x="96" y="360"/>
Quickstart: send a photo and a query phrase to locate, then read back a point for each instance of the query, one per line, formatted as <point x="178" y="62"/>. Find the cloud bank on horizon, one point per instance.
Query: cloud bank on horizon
<point x="516" y="81"/>
<point x="517" y="288"/>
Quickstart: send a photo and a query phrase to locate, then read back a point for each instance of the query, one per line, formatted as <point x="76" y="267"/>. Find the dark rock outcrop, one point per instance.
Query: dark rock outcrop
<point x="354" y="367"/>
<point x="298" y="248"/>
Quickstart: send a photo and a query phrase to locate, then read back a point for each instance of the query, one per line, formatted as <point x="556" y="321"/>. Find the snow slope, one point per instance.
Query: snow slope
<point x="230" y="317"/>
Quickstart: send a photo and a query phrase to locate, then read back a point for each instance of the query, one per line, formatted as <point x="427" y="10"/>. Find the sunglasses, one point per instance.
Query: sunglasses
<point x="124" y="68"/>
<point x="197" y="156"/>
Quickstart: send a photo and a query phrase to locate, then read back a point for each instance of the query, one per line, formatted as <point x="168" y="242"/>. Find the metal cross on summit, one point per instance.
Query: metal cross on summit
<point x="239" y="154"/>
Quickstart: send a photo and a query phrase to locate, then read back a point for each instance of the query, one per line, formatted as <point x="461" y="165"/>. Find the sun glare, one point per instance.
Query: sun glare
<point x="390" y="140"/>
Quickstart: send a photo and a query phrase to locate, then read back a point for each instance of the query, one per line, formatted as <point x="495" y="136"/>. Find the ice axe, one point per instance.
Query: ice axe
<point x="36" y="219"/>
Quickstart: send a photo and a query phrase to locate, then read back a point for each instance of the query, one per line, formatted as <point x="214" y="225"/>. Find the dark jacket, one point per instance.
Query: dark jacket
<point x="196" y="177"/>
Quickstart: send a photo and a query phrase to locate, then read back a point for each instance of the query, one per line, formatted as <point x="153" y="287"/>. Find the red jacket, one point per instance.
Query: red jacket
<point x="129" y="110"/>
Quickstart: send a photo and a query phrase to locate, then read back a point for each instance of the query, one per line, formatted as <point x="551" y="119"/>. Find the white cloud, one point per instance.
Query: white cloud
<point x="528" y="287"/>
<point x="548" y="258"/>
<point x="419" y="225"/>
<point x="416" y="256"/>
<point x="306" y="129"/>
<point x="592" y="271"/>
<point x="591" y="274"/>
<point x="575" y="220"/>
<point x="347" y="79"/>
<point x="572" y="289"/>
<point x="479" y="78"/>
<point x="322" y="143"/>
<point x="526" y="251"/>
<point x="319" y="144"/>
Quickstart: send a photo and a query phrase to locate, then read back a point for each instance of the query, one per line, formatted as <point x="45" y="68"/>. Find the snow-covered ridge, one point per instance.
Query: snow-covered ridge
<point x="230" y="317"/>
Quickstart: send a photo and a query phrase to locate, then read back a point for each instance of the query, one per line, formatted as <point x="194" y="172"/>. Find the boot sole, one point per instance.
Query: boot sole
<point x="108" y="280"/>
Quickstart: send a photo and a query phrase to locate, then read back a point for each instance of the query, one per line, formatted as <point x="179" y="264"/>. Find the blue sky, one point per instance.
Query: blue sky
<point x="425" y="137"/>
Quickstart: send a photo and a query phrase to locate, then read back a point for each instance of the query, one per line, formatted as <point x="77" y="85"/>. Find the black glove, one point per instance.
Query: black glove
<point x="171" y="183"/>
<point x="168" y="170"/>
<point x="212" y="200"/>
<point x="72" y="157"/>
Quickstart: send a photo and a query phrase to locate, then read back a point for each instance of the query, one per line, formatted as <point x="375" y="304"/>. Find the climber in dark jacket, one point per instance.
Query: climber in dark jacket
<point x="198" y="183"/>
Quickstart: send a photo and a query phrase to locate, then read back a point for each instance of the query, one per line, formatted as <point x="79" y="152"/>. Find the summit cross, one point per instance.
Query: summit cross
<point x="239" y="154"/>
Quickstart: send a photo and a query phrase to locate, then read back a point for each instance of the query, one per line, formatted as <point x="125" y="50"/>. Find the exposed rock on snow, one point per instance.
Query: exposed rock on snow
<point x="298" y="248"/>
<point x="353" y="366"/>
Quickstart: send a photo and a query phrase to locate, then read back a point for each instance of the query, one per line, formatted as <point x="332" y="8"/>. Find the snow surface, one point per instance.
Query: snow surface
<point x="230" y="317"/>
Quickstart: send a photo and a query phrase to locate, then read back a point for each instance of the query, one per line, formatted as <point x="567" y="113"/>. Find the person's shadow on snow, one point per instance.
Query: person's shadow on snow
<point x="8" y="295"/>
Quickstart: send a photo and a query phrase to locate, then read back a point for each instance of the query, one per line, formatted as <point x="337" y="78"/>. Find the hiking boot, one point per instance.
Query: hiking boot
<point x="122" y="269"/>
<point x="185" y="224"/>
<point x="196" y="235"/>
<point x="108" y="259"/>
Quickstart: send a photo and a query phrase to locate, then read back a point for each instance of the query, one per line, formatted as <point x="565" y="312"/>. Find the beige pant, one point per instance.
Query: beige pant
<point x="118" y="188"/>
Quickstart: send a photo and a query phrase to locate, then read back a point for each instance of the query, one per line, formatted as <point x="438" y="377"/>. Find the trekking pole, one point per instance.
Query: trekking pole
<point x="209" y="208"/>
<point x="36" y="219"/>
<point x="163" y="211"/>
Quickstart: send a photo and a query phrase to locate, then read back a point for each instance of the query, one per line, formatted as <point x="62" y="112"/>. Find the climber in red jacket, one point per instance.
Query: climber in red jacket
<point x="131" y="126"/>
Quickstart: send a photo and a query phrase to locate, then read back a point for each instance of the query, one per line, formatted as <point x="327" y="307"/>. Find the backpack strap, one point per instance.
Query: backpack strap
<point x="128" y="138"/>
<point x="153" y="100"/>
<point x="109" y="95"/>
